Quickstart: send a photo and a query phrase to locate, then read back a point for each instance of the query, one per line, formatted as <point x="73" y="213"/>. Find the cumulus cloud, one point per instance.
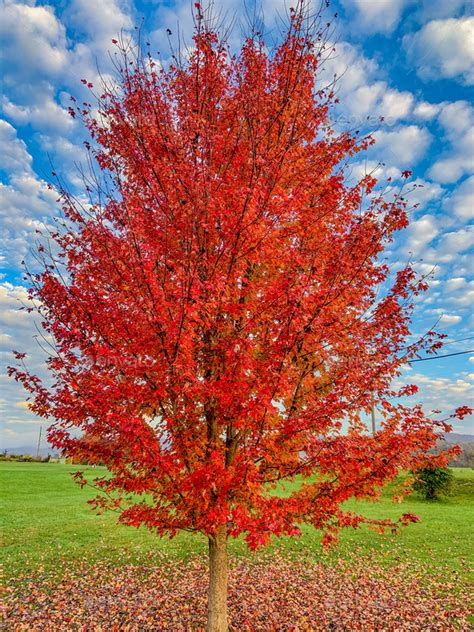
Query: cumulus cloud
<point x="396" y="105"/>
<point x="457" y="122"/>
<point x="461" y="202"/>
<point x="363" y="95"/>
<point x="426" y="111"/>
<point x="462" y="265"/>
<point x="34" y="42"/>
<point x="37" y="57"/>
<point x="378" y="170"/>
<point x="177" y="16"/>
<point x="450" y="248"/>
<point x="18" y="426"/>
<point x="421" y="193"/>
<point x="24" y="208"/>
<point x="24" y="198"/>
<point x="14" y="156"/>
<point x="456" y="118"/>
<point x="443" y="48"/>
<point x="350" y="67"/>
<point x="438" y="392"/>
<point x="44" y="114"/>
<point x="99" y="21"/>
<point x="380" y="16"/>
<point x="404" y="146"/>
<point x="450" y="319"/>
<point x="94" y="24"/>
<point x="459" y="293"/>
<point x="455" y="386"/>
<point x="454" y="284"/>
<point x="454" y="242"/>
<point x="420" y="234"/>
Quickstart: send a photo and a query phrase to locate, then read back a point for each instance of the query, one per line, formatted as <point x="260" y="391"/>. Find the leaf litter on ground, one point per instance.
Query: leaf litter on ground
<point x="266" y="594"/>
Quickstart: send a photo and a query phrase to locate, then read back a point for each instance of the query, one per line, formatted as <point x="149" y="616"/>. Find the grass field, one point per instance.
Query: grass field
<point x="45" y="518"/>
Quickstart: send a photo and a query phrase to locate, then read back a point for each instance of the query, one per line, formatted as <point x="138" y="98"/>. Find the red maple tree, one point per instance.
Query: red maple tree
<point x="221" y="315"/>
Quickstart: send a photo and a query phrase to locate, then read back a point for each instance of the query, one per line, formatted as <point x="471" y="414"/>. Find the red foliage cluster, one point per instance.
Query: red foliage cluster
<point x="220" y="311"/>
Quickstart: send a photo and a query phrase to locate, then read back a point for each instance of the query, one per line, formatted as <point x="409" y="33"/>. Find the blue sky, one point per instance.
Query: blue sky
<point x="411" y="61"/>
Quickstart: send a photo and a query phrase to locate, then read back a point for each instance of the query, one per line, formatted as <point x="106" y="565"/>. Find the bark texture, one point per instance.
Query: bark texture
<point x="218" y="573"/>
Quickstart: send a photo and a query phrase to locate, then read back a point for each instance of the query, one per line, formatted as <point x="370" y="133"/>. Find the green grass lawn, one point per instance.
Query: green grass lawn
<point x="44" y="518"/>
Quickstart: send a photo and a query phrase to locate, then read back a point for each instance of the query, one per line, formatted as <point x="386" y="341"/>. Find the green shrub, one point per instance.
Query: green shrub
<point x="432" y="482"/>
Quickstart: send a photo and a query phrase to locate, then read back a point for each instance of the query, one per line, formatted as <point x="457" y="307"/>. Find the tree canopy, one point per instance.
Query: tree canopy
<point x="221" y="314"/>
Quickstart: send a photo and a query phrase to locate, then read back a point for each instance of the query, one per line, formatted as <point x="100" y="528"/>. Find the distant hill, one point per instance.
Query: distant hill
<point x="31" y="450"/>
<point x="454" y="437"/>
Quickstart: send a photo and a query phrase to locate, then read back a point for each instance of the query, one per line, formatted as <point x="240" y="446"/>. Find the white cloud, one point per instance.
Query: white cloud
<point x="454" y="242"/>
<point x="364" y="97"/>
<point x="456" y="118"/>
<point x="443" y="48"/>
<point x="37" y="60"/>
<point x="94" y="25"/>
<point x="419" y="234"/>
<point x="396" y="105"/>
<point x="11" y="295"/>
<point x="428" y="270"/>
<point x="21" y="213"/>
<point x="437" y="392"/>
<point x="450" y="319"/>
<point x="90" y="51"/>
<point x="455" y="283"/>
<point x="377" y="15"/>
<point x="451" y="248"/>
<point x="426" y="111"/>
<point x="422" y="193"/>
<point x="461" y="202"/>
<point x="44" y="114"/>
<point x="37" y="57"/>
<point x="349" y="65"/>
<point x="19" y="332"/>
<point x="99" y="21"/>
<point x="377" y="100"/>
<point x="457" y="122"/>
<point x="404" y="146"/>
<point x="459" y="291"/>
<point x="68" y="155"/>
<point x="377" y="170"/>
<point x="24" y="200"/>
<point x="14" y="155"/>
<point x="451" y="168"/>
<point x="34" y="42"/>
<point x="462" y="265"/>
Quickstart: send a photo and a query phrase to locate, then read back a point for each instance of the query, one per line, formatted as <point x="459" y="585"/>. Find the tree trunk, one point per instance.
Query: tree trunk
<point x="217" y="604"/>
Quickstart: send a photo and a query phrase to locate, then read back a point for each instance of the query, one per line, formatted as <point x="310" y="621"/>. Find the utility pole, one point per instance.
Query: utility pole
<point x="39" y="442"/>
